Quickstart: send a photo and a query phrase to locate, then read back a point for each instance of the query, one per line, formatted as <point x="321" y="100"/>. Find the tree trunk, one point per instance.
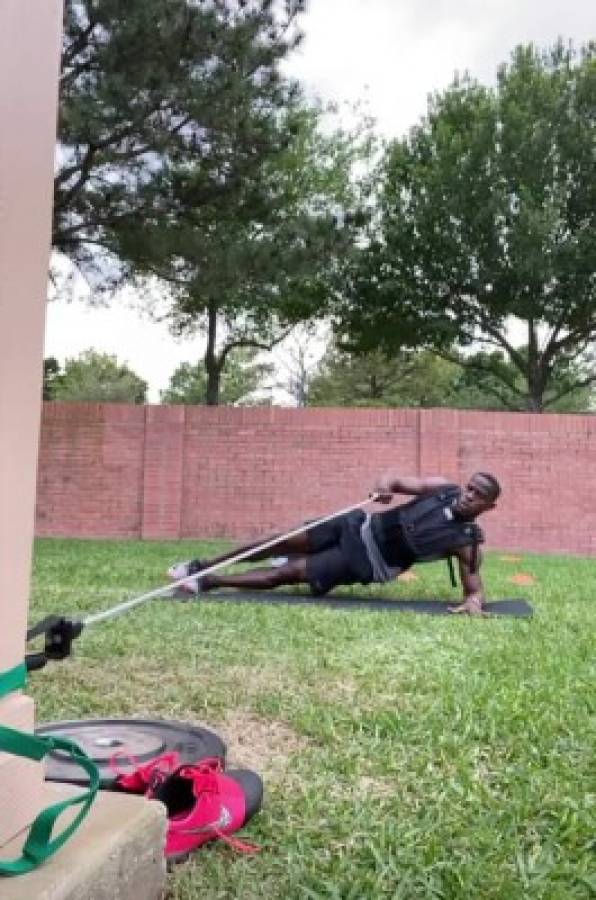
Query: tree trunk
<point x="536" y="375"/>
<point x="534" y="403"/>
<point x="212" y="392"/>
<point x="212" y="363"/>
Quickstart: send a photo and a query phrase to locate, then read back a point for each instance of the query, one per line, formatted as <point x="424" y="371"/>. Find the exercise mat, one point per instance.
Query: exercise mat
<point x="518" y="608"/>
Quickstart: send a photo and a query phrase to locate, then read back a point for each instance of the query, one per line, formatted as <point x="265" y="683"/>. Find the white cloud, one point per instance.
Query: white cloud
<point x="395" y="53"/>
<point x="146" y="347"/>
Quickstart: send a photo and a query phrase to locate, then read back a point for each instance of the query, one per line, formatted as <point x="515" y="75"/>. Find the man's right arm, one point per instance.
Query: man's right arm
<point x="391" y="483"/>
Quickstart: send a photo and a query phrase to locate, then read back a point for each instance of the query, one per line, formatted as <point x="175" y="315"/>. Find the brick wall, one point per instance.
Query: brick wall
<point x="91" y="470"/>
<point x="183" y="472"/>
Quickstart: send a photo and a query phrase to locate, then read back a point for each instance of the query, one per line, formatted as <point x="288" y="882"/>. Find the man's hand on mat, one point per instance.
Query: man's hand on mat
<point x="472" y="606"/>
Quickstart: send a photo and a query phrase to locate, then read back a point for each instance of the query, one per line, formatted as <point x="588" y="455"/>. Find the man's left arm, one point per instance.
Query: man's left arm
<point x="473" y="588"/>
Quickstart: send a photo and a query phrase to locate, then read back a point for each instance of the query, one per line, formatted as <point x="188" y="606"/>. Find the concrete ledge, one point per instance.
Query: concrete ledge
<point x="117" y="854"/>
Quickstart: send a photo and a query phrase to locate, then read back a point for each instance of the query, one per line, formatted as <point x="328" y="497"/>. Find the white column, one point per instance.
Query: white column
<point x="30" y="34"/>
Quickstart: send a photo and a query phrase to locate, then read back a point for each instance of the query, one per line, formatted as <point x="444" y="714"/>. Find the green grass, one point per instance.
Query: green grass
<point x="404" y="756"/>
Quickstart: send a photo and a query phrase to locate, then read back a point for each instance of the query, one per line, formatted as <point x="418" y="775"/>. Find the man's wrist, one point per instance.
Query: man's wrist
<point x="383" y="487"/>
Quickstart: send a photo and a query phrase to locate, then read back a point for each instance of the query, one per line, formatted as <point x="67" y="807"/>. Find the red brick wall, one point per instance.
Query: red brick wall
<point x="90" y="470"/>
<point x="183" y="472"/>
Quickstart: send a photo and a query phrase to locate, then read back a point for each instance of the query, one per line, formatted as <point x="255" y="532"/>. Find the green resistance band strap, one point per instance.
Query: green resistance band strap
<point x="39" y="844"/>
<point x="13" y="679"/>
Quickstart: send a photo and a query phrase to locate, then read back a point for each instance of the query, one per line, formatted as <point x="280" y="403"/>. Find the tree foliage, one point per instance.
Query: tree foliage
<point x="408" y="379"/>
<point x="97" y="378"/>
<point x="423" y="379"/>
<point x="492" y="381"/>
<point x="245" y="268"/>
<point x="487" y="212"/>
<point x="299" y="361"/>
<point x="151" y="84"/>
<point x="242" y="376"/>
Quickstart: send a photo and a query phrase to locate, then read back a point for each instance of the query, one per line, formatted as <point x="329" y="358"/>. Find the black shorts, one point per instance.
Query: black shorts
<point x="338" y="555"/>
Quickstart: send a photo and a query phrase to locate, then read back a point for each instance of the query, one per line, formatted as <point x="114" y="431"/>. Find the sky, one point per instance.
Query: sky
<point x="389" y="54"/>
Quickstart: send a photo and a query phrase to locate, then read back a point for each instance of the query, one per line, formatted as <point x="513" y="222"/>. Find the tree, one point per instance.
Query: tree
<point x="98" y="378"/>
<point x="148" y="84"/>
<point x="487" y="212"/>
<point x="373" y="379"/>
<point x="247" y="267"/>
<point x="492" y="381"/>
<point x="422" y="379"/>
<point x="242" y="376"/>
<point x="300" y="358"/>
<point x="51" y="370"/>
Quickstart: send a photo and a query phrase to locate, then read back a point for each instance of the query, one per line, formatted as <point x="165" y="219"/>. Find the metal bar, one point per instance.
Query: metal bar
<point x="246" y="554"/>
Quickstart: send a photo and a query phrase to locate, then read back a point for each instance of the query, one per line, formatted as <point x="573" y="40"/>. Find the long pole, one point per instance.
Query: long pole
<point x="246" y="554"/>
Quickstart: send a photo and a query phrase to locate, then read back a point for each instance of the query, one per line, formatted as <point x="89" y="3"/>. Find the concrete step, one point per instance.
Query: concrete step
<point x="116" y="854"/>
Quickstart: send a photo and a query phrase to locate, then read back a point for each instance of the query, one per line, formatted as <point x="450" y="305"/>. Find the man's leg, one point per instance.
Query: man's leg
<point x="304" y="544"/>
<point x="293" y="572"/>
<point x="298" y="545"/>
<point x="321" y="571"/>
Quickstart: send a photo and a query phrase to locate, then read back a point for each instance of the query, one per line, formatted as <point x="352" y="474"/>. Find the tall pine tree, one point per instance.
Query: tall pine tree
<point x="152" y="85"/>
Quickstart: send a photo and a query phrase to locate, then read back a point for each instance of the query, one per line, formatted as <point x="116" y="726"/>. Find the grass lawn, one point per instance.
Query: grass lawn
<point x="404" y="756"/>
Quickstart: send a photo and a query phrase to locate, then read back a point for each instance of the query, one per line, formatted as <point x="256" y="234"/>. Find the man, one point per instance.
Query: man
<point x="358" y="547"/>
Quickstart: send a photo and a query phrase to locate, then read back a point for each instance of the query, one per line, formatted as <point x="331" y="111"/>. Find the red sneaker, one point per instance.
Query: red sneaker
<point x="205" y="803"/>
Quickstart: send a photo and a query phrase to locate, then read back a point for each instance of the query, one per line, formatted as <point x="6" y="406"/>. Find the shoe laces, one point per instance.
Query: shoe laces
<point x="150" y="775"/>
<point x="236" y="844"/>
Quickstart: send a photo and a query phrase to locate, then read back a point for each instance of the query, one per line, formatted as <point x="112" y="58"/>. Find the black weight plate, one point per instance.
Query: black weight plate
<point x="112" y="742"/>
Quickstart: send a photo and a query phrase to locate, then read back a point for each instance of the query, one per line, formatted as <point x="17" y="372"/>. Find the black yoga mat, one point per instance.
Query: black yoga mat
<point x="517" y="608"/>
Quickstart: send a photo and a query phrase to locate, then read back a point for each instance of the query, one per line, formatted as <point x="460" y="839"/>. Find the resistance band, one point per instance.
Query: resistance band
<point x="239" y="557"/>
<point x="13" y="679"/>
<point x="60" y="631"/>
<point x="39" y="844"/>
